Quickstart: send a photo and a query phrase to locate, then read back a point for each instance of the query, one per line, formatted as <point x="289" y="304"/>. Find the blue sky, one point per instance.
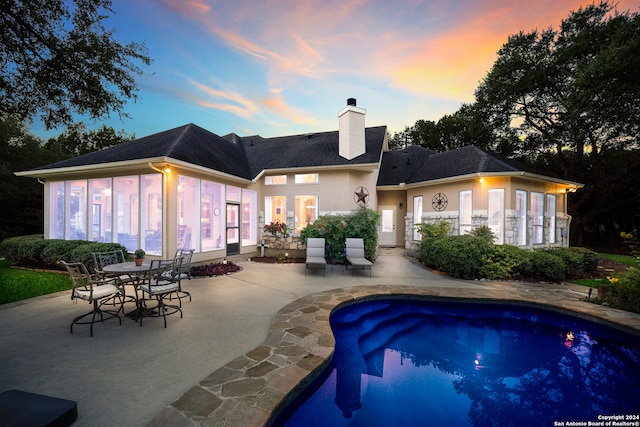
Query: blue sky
<point x="284" y="67"/>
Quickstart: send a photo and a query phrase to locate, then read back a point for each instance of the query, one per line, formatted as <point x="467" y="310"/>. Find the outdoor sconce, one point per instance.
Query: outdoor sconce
<point x="400" y="206"/>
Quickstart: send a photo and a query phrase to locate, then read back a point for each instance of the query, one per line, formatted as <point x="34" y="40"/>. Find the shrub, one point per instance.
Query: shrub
<point x="590" y="259"/>
<point x="546" y="266"/>
<point x="23" y="250"/>
<point x="433" y="230"/>
<point x="55" y="250"/>
<point x="82" y="253"/>
<point x="625" y="294"/>
<point x="573" y="260"/>
<point x="503" y="261"/>
<point x="460" y="256"/>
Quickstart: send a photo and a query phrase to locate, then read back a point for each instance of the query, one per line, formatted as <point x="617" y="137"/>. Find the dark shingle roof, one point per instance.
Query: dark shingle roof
<point x="243" y="157"/>
<point x="417" y="164"/>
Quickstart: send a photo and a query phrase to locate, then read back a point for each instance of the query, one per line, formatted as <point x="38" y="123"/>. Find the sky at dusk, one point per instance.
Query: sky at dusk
<point x="285" y="67"/>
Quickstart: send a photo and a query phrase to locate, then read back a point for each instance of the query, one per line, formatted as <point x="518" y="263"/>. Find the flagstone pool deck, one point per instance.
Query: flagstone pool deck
<point x="245" y="342"/>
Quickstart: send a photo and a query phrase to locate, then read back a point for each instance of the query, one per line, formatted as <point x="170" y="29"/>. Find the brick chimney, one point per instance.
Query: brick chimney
<point x="351" y="130"/>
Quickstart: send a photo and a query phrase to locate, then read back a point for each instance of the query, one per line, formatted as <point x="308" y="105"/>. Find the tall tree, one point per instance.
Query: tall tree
<point x="57" y="59"/>
<point x="575" y="92"/>
<point x="76" y="140"/>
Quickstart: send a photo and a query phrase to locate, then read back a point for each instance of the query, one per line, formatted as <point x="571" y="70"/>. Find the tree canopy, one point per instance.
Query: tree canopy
<point x="57" y="59"/>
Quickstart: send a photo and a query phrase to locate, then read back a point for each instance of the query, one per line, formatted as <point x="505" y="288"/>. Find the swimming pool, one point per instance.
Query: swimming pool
<point x="401" y="362"/>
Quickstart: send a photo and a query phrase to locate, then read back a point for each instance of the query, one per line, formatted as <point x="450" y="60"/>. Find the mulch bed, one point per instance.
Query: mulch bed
<point x="274" y="260"/>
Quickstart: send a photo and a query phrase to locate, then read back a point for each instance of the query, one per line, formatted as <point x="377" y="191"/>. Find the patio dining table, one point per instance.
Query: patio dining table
<point x="137" y="273"/>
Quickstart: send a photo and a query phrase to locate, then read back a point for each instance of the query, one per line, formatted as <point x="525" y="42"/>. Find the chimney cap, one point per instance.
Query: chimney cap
<point x="351" y="101"/>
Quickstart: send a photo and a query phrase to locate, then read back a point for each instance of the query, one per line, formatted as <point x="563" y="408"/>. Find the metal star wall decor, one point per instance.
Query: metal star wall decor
<point x="360" y="195"/>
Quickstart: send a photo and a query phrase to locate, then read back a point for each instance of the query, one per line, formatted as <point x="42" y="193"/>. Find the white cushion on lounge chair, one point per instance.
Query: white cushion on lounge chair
<point x="315" y="254"/>
<point x="355" y="254"/>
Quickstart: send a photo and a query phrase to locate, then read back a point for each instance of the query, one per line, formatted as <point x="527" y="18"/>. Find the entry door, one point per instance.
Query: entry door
<point x="387" y="236"/>
<point x="233" y="229"/>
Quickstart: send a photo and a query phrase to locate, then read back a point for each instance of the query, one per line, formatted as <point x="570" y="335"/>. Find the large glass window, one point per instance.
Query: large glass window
<point x="306" y="211"/>
<point x="495" y="208"/>
<point x="76" y="210"/>
<point x="417" y="216"/>
<point x="551" y="214"/>
<point x="188" y="213"/>
<point x="521" y="217"/>
<point x="100" y="210"/>
<point x="466" y="211"/>
<point x="275" y="209"/>
<point x="127" y="210"/>
<point x="537" y="212"/>
<point x="249" y="218"/>
<point x="306" y="178"/>
<point x="56" y="210"/>
<point x="234" y="194"/>
<point x="151" y="201"/>
<point x="212" y="215"/>
<point x="275" y="180"/>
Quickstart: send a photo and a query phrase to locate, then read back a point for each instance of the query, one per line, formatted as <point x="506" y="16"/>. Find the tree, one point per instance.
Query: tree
<point x="57" y="59"/>
<point x="574" y="92"/>
<point x="76" y="140"/>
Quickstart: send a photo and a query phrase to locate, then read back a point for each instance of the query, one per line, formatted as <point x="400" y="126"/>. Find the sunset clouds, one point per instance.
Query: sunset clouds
<point x="287" y="66"/>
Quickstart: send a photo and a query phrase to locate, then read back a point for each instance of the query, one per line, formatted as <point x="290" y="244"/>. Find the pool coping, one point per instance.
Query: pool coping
<point x="252" y="389"/>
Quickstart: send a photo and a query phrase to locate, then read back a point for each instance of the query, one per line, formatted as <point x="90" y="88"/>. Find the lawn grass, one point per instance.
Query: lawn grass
<point x="624" y="259"/>
<point x="18" y="284"/>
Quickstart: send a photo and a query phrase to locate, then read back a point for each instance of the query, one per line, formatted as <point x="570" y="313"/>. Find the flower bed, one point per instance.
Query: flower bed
<point x="214" y="269"/>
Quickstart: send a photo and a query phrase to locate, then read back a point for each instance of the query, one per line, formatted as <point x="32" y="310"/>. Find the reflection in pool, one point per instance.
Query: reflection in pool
<point x="406" y="363"/>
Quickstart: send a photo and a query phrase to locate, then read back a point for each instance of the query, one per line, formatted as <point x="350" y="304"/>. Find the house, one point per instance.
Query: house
<point x="190" y="188"/>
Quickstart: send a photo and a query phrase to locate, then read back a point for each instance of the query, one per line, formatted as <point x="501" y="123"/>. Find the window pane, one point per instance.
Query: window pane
<point x="188" y="214"/>
<point x="537" y="212"/>
<point x="275" y="180"/>
<point x="249" y="217"/>
<point x="306" y="211"/>
<point x="496" y="214"/>
<point x="151" y="212"/>
<point x="101" y="218"/>
<point x="56" y="210"/>
<point x="306" y="178"/>
<point x="551" y="214"/>
<point x="521" y="217"/>
<point x="275" y="209"/>
<point x="212" y="220"/>
<point x="127" y="209"/>
<point x="76" y="212"/>
<point x="233" y="193"/>
<point x="465" y="211"/>
<point x="417" y="216"/>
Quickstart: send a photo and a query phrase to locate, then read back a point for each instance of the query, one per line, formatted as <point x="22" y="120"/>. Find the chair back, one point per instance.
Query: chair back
<point x="315" y="247"/>
<point x="81" y="279"/>
<point x="162" y="272"/>
<point x="354" y="247"/>
<point x="184" y="255"/>
<point x="102" y="259"/>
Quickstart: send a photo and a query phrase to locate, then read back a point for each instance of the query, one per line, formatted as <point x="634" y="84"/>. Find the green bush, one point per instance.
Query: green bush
<point x="82" y="253"/>
<point x="590" y="259"/>
<point x="335" y="229"/>
<point x="573" y="260"/>
<point x="625" y="294"/>
<point x="460" y="256"/>
<point x="503" y="261"/>
<point x="23" y="250"/>
<point x="55" y="250"/>
<point x="435" y="230"/>
<point x="546" y="266"/>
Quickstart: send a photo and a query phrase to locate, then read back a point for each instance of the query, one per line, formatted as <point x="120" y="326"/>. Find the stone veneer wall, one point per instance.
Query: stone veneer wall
<point x="276" y="245"/>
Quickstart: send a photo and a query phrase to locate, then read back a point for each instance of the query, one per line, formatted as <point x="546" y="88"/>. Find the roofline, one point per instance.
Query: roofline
<point x="447" y="180"/>
<point x="126" y="165"/>
<point x="366" y="167"/>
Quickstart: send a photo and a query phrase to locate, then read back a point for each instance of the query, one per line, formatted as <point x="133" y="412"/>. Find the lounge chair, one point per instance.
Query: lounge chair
<point x="355" y="255"/>
<point x="315" y="255"/>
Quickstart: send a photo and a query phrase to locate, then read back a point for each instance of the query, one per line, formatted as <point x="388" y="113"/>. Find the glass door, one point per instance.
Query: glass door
<point x="233" y="228"/>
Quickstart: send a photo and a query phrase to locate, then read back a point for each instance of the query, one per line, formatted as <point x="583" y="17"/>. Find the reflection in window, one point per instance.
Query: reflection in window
<point x="275" y="180"/>
<point x="306" y="211"/>
<point x="56" y="210"/>
<point x="521" y="215"/>
<point x="100" y="215"/>
<point x="249" y="219"/>
<point x="495" y="208"/>
<point x="465" y="211"/>
<point x="537" y="212"/>
<point x="188" y="215"/>
<point x="306" y="178"/>
<point x="275" y="209"/>
<point x="417" y="216"/>
<point x="76" y="211"/>
<point x="151" y="212"/>
<point x="212" y="215"/>
<point x="551" y="214"/>
<point x="126" y="208"/>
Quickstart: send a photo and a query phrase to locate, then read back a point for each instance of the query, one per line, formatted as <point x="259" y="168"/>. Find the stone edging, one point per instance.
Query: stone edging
<point x="251" y="388"/>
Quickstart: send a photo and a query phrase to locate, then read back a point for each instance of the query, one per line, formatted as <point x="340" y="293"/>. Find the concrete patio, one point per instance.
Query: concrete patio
<point x="245" y="340"/>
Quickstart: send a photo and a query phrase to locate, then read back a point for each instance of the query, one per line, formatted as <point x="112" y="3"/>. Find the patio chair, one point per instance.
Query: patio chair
<point x="102" y="259"/>
<point x="161" y="281"/>
<point x="95" y="291"/>
<point x="355" y="255"/>
<point x="315" y="255"/>
<point x="184" y="269"/>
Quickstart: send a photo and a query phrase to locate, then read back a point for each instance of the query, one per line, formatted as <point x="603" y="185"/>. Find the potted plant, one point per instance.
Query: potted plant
<point x="274" y="227"/>
<point x="138" y="256"/>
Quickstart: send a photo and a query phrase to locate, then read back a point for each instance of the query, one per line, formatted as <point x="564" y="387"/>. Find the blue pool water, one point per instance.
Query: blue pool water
<point x="404" y="363"/>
